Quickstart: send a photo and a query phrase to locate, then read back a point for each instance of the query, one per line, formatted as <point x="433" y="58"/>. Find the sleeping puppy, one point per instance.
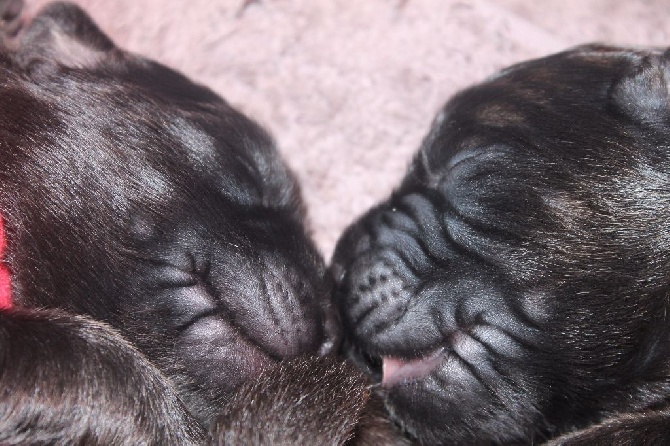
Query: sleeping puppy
<point x="515" y="286"/>
<point x="138" y="198"/>
<point x="133" y="196"/>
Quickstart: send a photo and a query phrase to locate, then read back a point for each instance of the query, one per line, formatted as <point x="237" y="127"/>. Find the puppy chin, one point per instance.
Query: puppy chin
<point x="434" y="414"/>
<point x="416" y="405"/>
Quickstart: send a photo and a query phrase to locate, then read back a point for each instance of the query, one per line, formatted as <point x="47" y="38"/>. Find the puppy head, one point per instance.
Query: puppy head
<point x="145" y="200"/>
<point x="513" y="285"/>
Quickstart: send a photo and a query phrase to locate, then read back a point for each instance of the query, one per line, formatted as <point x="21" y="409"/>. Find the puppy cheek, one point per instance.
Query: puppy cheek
<point x="216" y="353"/>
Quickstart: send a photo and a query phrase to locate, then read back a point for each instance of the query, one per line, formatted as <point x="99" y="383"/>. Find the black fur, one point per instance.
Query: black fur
<point x="143" y="200"/>
<point x="523" y="261"/>
<point x="308" y="401"/>
<point x="68" y="380"/>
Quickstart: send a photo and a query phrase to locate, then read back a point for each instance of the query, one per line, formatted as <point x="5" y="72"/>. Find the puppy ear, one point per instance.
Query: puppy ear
<point x="62" y="35"/>
<point x="642" y="94"/>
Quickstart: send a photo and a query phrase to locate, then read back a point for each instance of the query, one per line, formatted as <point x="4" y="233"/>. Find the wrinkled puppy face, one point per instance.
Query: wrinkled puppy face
<point x="133" y="195"/>
<point x="515" y="284"/>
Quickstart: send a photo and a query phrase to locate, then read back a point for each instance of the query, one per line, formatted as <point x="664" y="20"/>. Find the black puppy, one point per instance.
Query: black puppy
<point x="134" y="196"/>
<point x="516" y="285"/>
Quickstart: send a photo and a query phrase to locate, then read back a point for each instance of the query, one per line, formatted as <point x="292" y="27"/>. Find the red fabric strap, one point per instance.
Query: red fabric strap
<point x="5" y="277"/>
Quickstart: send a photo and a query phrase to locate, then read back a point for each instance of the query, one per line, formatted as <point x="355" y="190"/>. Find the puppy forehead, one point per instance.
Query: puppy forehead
<point x="573" y="66"/>
<point x="569" y="96"/>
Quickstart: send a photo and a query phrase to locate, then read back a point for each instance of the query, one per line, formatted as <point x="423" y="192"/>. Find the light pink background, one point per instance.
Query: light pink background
<point x="348" y="88"/>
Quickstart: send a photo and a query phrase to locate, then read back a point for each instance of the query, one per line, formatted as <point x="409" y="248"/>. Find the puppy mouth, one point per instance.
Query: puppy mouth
<point x="390" y="371"/>
<point x="398" y="370"/>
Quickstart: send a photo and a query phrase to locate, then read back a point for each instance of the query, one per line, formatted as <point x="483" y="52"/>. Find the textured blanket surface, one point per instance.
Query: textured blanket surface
<point x="349" y="88"/>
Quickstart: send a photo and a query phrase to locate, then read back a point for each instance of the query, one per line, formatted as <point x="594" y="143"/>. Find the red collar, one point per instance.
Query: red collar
<point x="5" y="278"/>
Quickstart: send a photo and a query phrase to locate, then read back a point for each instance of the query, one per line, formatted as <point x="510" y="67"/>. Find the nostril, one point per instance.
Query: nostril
<point x="332" y="331"/>
<point x="337" y="273"/>
<point x="10" y="10"/>
<point x="329" y="346"/>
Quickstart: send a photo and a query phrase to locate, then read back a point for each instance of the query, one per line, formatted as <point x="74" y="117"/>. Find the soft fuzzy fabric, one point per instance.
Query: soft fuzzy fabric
<point x="349" y="88"/>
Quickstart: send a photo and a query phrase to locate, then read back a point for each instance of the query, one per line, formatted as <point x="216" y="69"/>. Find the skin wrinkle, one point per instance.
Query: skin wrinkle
<point x="548" y="286"/>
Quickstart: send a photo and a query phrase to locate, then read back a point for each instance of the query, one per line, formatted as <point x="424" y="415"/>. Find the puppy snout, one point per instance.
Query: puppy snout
<point x="291" y="308"/>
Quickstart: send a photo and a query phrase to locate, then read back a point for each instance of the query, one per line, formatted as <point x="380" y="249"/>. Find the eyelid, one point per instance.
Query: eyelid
<point x="172" y="276"/>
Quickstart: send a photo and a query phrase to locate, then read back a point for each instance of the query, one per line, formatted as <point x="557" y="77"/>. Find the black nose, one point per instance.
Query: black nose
<point x="332" y="330"/>
<point x="10" y="16"/>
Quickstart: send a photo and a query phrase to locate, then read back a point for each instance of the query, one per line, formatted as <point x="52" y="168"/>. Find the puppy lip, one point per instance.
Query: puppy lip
<point x="397" y="370"/>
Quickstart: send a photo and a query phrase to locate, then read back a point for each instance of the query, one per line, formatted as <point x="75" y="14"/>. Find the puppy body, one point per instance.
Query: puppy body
<point x="136" y="197"/>
<point x="70" y="380"/>
<point x="306" y="401"/>
<point x="515" y="285"/>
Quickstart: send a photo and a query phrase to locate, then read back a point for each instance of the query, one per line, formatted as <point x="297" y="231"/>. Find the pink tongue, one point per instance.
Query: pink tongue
<point x="395" y="370"/>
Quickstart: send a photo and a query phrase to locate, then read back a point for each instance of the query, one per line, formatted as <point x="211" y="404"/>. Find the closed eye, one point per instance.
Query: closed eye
<point x="173" y="277"/>
<point x="185" y="304"/>
<point x="186" y="271"/>
<point x="183" y="294"/>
